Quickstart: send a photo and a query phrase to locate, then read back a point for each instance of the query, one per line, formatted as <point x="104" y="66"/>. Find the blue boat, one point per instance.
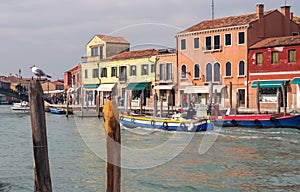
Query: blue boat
<point x="170" y="124"/>
<point x="57" y="111"/>
<point x="258" y="121"/>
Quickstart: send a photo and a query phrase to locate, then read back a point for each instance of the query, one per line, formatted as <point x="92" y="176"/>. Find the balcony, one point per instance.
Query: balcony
<point x="90" y="59"/>
<point x="215" y="48"/>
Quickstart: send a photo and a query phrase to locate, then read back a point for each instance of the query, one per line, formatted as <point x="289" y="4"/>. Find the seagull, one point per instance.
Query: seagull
<point x="38" y="72"/>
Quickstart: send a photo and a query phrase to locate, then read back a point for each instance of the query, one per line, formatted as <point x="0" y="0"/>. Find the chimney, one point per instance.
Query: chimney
<point x="286" y="11"/>
<point x="292" y="16"/>
<point x="261" y="22"/>
<point x="260" y="11"/>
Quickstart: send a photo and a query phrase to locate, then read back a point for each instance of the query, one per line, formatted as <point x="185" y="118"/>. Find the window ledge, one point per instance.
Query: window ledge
<point x="196" y="78"/>
<point x="241" y="76"/>
<point x="227" y="77"/>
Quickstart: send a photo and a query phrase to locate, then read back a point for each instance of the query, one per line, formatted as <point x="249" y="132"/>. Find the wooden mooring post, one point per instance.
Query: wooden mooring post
<point x="42" y="179"/>
<point x="113" y="146"/>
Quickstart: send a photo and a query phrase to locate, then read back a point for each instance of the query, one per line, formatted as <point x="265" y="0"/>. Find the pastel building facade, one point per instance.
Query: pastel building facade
<point x="216" y="52"/>
<point x="272" y="62"/>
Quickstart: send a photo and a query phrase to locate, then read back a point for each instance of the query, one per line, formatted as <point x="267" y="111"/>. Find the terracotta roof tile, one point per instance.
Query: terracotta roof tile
<point x="296" y="20"/>
<point x="112" y="39"/>
<point x="224" y="22"/>
<point x="135" y="54"/>
<point x="277" y="41"/>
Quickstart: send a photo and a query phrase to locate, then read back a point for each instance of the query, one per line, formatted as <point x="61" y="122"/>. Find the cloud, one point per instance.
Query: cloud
<point x="53" y="33"/>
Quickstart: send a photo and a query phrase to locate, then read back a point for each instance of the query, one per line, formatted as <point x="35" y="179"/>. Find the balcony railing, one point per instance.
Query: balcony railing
<point x="90" y="59"/>
<point x="212" y="48"/>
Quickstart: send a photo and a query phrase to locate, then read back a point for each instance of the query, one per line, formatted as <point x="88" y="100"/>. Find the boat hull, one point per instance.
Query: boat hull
<point x="164" y="123"/>
<point x="258" y="121"/>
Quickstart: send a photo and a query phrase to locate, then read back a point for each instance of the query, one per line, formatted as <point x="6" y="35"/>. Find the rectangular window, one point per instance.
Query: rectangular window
<point x="196" y="43"/>
<point x="228" y="39"/>
<point x="259" y="58"/>
<point x="145" y="69"/>
<point x="85" y="73"/>
<point x="123" y="73"/>
<point x="162" y="72"/>
<point x="95" y="73"/>
<point x="217" y="42"/>
<point x="208" y="43"/>
<point x="292" y="56"/>
<point x="103" y="72"/>
<point x="113" y="71"/>
<point x="94" y="51"/>
<point x="132" y="70"/>
<point x="274" y="59"/>
<point x="241" y="36"/>
<point x="169" y="71"/>
<point x="152" y="68"/>
<point x="183" y="44"/>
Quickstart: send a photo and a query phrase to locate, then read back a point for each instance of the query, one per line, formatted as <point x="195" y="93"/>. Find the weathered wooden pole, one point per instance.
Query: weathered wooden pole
<point x="155" y="105"/>
<point x="278" y="100"/>
<point x="113" y="146"/>
<point x="42" y="179"/>
<point x="257" y="97"/>
<point x="283" y="98"/>
<point x="230" y="94"/>
<point x="161" y="106"/>
<point x="67" y="112"/>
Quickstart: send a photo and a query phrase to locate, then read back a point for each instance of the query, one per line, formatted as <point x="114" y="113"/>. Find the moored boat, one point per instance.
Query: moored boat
<point x="258" y="121"/>
<point x="57" y="111"/>
<point x="174" y="123"/>
<point x="21" y="107"/>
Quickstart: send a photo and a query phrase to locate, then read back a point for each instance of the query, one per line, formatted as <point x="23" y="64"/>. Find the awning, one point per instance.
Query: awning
<point x="269" y="84"/>
<point x="196" y="89"/>
<point x="296" y="80"/>
<point x="106" y="87"/>
<point x="165" y="87"/>
<point x="218" y="88"/>
<point x="90" y="86"/>
<point x="137" y="86"/>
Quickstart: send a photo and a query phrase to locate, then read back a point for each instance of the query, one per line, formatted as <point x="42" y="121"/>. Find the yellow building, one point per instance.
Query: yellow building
<point x="98" y="49"/>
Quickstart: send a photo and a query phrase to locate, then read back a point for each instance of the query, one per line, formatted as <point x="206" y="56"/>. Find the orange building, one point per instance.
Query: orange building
<point x="216" y="51"/>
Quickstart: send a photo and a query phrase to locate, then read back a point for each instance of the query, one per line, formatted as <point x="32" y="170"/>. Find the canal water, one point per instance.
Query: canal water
<point x="236" y="159"/>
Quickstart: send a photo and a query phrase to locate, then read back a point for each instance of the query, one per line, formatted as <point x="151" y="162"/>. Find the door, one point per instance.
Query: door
<point x="241" y="97"/>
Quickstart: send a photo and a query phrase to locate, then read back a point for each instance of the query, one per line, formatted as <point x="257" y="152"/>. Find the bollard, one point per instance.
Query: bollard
<point x="42" y="179"/>
<point x="113" y="146"/>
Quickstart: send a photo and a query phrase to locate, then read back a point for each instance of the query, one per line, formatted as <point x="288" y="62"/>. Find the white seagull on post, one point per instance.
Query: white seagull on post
<point x="38" y="72"/>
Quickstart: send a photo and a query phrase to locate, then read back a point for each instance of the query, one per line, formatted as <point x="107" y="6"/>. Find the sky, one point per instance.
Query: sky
<point x="52" y="34"/>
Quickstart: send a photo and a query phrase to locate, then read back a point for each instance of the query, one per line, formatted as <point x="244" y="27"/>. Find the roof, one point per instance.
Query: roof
<point x="296" y="20"/>
<point x="277" y="41"/>
<point x="112" y="39"/>
<point x="225" y="22"/>
<point x="135" y="54"/>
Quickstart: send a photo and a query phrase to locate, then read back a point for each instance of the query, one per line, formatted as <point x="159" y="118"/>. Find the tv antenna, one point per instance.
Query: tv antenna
<point x="212" y="9"/>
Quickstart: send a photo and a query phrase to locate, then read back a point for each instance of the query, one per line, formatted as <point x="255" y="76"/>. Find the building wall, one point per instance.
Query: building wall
<point x="280" y="71"/>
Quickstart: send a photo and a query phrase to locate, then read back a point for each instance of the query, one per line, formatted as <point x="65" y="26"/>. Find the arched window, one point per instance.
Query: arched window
<point x="183" y="72"/>
<point x="208" y="72"/>
<point x="196" y="71"/>
<point x="217" y="72"/>
<point x="241" y="68"/>
<point x="228" y="69"/>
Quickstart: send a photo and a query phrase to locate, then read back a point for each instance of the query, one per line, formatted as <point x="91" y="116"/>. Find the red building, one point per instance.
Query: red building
<point x="273" y="61"/>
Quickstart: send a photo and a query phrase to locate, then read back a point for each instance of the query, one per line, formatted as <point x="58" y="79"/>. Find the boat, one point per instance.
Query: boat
<point x="258" y="121"/>
<point x="174" y="123"/>
<point x="60" y="111"/>
<point x="57" y="111"/>
<point x="21" y="107"/>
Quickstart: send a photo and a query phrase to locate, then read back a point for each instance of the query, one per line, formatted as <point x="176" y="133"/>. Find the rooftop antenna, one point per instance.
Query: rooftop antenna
<point x="212" y="10"/>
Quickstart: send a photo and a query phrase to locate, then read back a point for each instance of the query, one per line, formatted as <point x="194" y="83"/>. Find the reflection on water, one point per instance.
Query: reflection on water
<point x="239" y="160"/>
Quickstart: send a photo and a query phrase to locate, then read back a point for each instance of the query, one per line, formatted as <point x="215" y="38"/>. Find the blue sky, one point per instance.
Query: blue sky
<point x="52" y="34"/>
